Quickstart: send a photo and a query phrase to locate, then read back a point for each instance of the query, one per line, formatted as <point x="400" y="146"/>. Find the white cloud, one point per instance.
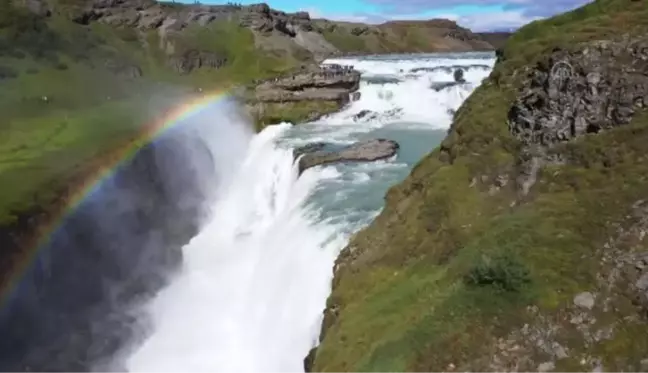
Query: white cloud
<point x="476" y="22"/>
<point x="316" y="13"/>
<point x="494" y="20"/>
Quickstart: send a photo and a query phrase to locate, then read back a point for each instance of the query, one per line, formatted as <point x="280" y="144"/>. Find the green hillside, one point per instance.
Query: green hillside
<point x="517" y="244"/>
<point x="71" y="92"/>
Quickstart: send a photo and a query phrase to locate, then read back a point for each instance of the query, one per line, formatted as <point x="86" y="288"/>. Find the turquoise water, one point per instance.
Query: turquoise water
<point x="351" y="194"/>
<point x="256" y="279"/>
<point x="396" y="89"/>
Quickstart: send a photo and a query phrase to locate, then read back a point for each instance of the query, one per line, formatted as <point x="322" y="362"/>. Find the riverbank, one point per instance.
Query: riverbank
<point x="518" y="243"/>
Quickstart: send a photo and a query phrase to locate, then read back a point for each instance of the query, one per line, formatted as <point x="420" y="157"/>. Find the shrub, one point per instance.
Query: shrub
<point x="504" y="272"/>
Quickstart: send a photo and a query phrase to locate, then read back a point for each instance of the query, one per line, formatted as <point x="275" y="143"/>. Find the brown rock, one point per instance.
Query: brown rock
<point x="363" y="151"/>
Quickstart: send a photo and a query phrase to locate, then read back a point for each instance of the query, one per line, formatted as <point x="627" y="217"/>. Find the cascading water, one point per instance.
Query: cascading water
<point x="255" y="280"/>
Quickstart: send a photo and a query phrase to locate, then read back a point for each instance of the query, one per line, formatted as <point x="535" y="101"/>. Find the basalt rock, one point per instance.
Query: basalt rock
<point x="368" y="115"/>
<point x="458" y="76"/>
<point x="592" y="88"/>
<point x="148" y="14"/>
<point x="364" y="114"/>
<point x="571" y="94"/>
<point x="364" y="151"/>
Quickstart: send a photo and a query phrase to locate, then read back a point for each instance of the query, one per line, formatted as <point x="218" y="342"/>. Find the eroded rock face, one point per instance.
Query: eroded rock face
<point x="364" y="151"/>
<point x="148" y="14"/>
<point x="570" y="94"/>
<point x="591" y="88"/>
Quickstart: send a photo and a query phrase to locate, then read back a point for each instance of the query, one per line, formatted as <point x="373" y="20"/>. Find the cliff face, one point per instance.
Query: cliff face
<point x="72" y="307"/>
<point x="520" y="243"/>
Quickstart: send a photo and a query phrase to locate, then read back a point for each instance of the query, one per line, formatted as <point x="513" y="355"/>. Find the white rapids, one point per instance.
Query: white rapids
<point x="255" y="280"/>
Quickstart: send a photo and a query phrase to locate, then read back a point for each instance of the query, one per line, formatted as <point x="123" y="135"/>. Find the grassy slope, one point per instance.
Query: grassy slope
<point x="394" y="37"/>
<point x="90" y="110"/>
<point x="401" y="290"/>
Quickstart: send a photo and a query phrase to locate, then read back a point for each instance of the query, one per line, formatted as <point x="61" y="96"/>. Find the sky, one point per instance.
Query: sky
<point x="478" y="15"/>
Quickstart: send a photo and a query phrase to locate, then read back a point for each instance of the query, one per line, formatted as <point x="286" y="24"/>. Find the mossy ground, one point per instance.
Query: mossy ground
<point x="403" y="295"/>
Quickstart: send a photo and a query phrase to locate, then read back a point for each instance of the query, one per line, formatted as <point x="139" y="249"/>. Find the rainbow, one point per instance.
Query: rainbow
<point x="92" y="182"/>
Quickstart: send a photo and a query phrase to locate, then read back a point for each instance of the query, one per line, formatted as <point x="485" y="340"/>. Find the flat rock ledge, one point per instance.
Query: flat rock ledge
<point x="315" y="154"/>
<point x="310" y="84"/>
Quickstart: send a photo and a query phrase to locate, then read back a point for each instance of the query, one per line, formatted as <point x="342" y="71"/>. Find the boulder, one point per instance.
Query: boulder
<point x="459" y="76"/>
<point x="363" y="114"/>
<point x="364" y="151"/>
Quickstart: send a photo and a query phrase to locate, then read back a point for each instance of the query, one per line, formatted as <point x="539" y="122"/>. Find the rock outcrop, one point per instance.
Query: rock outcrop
<point x="303" y="95"/>
<point x="310" y="84"/>
<point x="368" y="115"/>
<point x="364" y="151"/>
<point x="596" y="87"/>
<point x="587" y="89"/>
<point x="193" y="59"/>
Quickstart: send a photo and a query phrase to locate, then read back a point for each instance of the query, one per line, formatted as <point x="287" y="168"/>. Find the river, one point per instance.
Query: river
<point x="255" y="280"/>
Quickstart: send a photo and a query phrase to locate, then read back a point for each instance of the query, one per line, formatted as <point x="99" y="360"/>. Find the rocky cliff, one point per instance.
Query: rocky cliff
<point x="520" y="243"/>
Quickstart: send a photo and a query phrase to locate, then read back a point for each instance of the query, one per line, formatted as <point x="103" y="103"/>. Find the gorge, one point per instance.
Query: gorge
<point x="238" y="188"/>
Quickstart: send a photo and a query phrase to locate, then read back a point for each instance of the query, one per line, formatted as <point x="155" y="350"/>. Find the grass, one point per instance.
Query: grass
<point x="343" y="40"/>
<point x="65" y="102"/>
<point x="449" y="268"/>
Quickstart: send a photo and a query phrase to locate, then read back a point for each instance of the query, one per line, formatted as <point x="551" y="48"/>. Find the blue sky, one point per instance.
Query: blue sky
<point x="479" y="15"/>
